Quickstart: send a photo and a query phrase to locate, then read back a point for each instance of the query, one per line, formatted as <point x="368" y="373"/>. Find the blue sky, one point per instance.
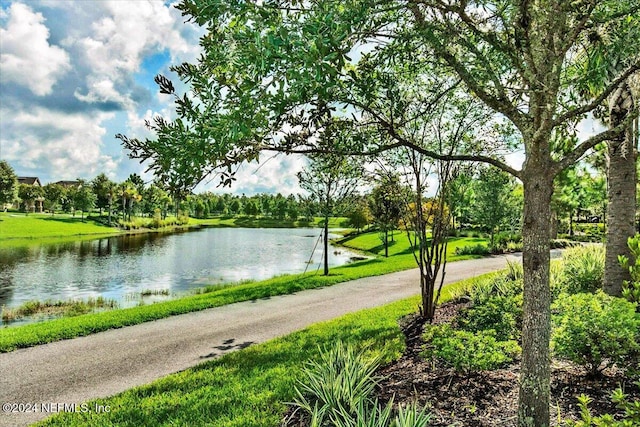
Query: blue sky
<point x="75" y="73"/>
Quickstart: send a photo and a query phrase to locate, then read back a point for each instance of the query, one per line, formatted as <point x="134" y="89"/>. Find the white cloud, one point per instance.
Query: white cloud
<point x="275" y="174"/>
<point x="26" y="57"/>
<point x="121" y="37"/>
<point x="76" y="151"/>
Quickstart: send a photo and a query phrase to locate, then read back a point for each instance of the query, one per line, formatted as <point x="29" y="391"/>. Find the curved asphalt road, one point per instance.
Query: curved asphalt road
<point x="103" y="364"/>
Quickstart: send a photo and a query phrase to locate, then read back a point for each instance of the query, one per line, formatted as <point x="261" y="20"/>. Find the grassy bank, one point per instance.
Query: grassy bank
<point x="41" y="226"/>
<point x="247" y="388"/>
<point x="262" y="222"/>
<point x="18" y="229"/>
<point x="65" y="328"/>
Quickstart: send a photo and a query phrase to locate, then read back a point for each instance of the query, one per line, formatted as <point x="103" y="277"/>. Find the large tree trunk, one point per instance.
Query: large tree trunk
<point x="533" y="404"/>
<point x="621" y="192"/>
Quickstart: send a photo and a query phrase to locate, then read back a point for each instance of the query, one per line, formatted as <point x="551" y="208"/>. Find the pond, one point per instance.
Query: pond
<point x="122" y="267"/>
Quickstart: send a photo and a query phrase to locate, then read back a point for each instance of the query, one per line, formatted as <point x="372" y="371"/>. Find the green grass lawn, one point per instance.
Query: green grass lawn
<point x="38" y="226"/>
<point x="248" y="388"/>
<point x="370" y="242"/>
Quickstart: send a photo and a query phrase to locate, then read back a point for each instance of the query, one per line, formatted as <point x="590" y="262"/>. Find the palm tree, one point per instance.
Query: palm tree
<point x="621" y="152"/>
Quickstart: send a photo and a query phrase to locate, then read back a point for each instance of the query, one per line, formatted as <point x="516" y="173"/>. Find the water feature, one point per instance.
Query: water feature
<point x="174" y="263"/>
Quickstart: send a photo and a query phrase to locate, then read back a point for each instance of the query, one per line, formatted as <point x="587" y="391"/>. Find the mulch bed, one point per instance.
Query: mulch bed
<point x="480" y="399"/>
<point x="486" y="398"/>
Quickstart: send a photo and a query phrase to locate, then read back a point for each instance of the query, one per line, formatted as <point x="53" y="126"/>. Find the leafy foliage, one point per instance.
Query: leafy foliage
<point x="468" y="351"/>
<point x="631" y="288"/>
<point x="336" y="385"/>
<point x="8" y="183"/>
<point x="336" y="390"/>
<point x="596" y="330"/>
<point x="478" y="249"/>
<point x="501" y="314"/>
<point x="630" y="409"/>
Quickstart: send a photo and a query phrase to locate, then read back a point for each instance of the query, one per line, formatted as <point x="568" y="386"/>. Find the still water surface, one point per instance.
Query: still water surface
<point x="123" y="266"/>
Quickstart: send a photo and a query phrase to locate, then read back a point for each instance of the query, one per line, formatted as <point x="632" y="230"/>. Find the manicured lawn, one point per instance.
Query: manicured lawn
<point x="247" y="388"/>
<point x="370" y="242"/>
<point x="71" y="327"/>
<point x="36" y="226"/>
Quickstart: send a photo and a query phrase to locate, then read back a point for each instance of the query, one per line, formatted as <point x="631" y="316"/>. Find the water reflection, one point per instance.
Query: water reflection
<point x="178" y="262"/>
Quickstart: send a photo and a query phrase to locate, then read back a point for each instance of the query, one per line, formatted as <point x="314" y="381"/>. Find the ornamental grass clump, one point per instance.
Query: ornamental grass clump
<point x="337" y="390"/>
<point x="583" y="269"/>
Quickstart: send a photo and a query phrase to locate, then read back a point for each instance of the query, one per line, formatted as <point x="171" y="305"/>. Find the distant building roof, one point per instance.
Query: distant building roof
<point x="29" y="180"/>
<point x="68" y="183"/>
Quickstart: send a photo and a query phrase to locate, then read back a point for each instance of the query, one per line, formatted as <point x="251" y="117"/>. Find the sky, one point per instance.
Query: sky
<point x="75" y="73"/>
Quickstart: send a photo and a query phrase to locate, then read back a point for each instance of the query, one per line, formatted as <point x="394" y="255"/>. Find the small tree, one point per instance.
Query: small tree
<point x="235" y="206"/>
<point x="491" y="205"/>
<point x="388" y="201"/>
<point x="84" y="198"/>
<point x="101" y="186"/>
<point x="359" y="214"/>
<point x="250" y="208"/>
<point x="8" y="184"/>
<point x="329" y="179"/>
<point x="53" y="195"/>
<point x="29" y="194"/>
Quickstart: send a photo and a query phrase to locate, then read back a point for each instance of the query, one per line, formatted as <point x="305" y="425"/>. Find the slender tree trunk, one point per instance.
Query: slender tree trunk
<point x="621" y="192"/>
<point x="533" y="404"/>
<point x="326" y="244"/>
<point x="386" y="243"/>
<point x="571" y="223"/>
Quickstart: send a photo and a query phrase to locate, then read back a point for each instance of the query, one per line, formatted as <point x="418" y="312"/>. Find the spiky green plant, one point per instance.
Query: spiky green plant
<point x="583" y="269"/>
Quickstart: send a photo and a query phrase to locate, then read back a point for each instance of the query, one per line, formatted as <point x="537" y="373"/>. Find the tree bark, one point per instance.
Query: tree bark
<point x="533" y="404"/>
<point x="621" y="192"/>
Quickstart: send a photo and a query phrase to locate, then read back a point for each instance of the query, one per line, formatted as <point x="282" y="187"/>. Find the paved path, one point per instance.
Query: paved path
<point x="103" y="364"/>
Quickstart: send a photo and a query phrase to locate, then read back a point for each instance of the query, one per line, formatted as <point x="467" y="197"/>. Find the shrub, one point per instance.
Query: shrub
<point x="631" y="288"/>
<point x="501" y="314"/>
<point x="506" y="242"/>
<point x="514" y="247"/>
<point x="478" y="249"/>
<point x="562" y="243"/>
<point x="583" y="269"/>
<point x="596" y="330"/>
<point x="630" y="410"/>
<point x="590" y="229"/>
<point x="468" y="351"/>
<point x="507" y="283"/>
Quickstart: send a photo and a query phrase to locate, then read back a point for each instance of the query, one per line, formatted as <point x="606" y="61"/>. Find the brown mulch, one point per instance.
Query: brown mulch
<point x="485" y="398"/>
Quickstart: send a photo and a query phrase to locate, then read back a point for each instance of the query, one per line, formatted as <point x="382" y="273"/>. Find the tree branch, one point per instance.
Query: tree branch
<point x="581" y="149"/>
<point x="598" y="100"/>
